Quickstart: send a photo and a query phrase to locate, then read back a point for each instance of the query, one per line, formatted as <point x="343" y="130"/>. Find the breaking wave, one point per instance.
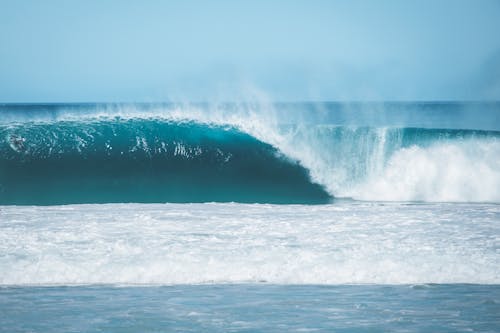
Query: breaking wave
<point x="139" y="160"/>
<point x="95" y="154"/>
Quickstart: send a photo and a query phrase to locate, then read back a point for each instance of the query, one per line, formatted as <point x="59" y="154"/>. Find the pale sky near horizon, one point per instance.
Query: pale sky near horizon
<point x="149" y="51"/>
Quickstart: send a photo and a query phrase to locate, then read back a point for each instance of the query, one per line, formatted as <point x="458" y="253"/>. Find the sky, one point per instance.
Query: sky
<point x="153" y="51"/>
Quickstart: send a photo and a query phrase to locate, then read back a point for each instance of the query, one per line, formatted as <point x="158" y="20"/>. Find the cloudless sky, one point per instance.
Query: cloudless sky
<point x="110" y="51"/>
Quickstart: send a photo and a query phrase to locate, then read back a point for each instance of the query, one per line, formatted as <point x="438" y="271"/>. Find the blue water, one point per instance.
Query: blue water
<point x="252" y="308"/>
<point x="250" y="217"/>
<point x="145" y="161"/>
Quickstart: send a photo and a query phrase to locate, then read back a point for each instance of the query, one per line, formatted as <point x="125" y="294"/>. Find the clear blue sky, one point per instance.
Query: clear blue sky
<point x="98" y="50"/>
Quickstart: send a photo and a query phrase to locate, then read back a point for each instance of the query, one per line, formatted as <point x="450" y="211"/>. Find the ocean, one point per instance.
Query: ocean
<point x="250" y="217"/>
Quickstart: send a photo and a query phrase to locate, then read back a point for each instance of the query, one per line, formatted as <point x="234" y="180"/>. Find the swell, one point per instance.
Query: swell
<point x="145" y="160"/>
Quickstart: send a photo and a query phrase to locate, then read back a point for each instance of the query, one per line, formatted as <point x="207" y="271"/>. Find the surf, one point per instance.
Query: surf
<point x="220" y="243"/>
<point x="399" y="163"/>
<point x="251" y="153"/>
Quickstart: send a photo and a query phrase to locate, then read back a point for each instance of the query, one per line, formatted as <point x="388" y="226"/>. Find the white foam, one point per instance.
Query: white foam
<point x="453" y="171"/>
<point x="368" y="166"/>
<point x="219" y="243"/>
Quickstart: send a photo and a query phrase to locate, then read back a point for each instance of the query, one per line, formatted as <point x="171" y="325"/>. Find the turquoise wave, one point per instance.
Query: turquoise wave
<point x="105" y="160"/>
<point x="145" y="160"/>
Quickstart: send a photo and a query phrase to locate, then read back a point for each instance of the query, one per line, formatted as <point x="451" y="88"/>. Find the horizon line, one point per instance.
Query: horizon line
<point x="422" y="101"/>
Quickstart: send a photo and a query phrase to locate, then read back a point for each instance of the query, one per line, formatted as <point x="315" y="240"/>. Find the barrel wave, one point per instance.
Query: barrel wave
<point x="299" y="153"/>
<point x="145" y="160"/>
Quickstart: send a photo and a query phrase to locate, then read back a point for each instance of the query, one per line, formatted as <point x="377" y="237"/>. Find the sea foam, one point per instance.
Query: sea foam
<point x="239" y="243"/>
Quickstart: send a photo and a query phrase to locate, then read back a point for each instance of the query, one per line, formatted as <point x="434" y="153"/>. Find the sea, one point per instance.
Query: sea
<point x="250" y="217"/>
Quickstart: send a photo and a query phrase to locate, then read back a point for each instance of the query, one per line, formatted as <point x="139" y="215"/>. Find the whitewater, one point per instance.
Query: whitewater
<point x="343" y="243"/>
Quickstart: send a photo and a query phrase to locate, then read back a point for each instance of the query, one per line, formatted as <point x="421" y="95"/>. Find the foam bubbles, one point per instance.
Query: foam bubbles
<point x="453" y="171"/>
<point x="238" y="243"/>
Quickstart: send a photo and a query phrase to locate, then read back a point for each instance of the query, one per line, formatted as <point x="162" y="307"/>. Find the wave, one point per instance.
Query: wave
<point x="250" y="153"/>
<point x="140" y="160"/>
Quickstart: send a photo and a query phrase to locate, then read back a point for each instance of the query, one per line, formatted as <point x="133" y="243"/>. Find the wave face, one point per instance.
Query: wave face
<point x="139" y="160"/>
<point x="266" y="153"/>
